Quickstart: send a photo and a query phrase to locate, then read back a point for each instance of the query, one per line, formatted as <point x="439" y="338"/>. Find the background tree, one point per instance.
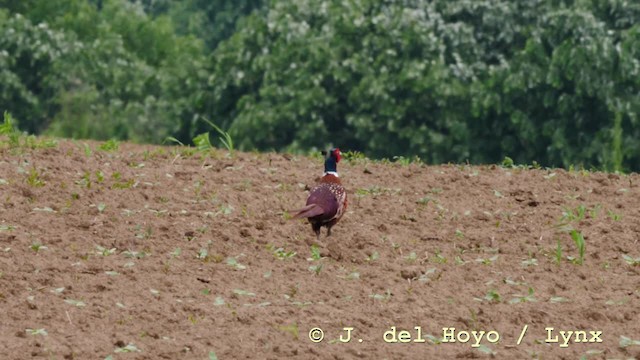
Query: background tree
<point x="553" y="81"/>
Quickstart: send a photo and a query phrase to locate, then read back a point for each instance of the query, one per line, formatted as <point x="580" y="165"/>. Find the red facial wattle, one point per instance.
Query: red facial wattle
<point x="336" y="154"/>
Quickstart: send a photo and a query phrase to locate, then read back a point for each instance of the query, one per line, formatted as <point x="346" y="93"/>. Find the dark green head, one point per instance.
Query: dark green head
<point x="333" y="158"/>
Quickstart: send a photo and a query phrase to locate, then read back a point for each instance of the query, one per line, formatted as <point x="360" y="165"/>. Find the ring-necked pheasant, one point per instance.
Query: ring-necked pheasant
<point x="327" y="200"/>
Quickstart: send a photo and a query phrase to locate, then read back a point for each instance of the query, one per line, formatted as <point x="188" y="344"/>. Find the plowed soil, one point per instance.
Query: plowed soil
<point x="155" y="253"/>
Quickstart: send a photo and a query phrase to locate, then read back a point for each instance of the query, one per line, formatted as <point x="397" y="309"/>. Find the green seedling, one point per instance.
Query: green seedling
<point x="488" y="261"/>
<point x="626" y="342"/>
<point x="225" y="137"/>
<point x="529" y="262"/>
<point x="225" y="209"/>
<point x="523" y="298"/>
<point x="425" y="277"/>
<point x="140" y="234"/>
<point x="7" y="129"/>
<point x="101" y="207"/>
<point x="130" y="348"/>
<point x="613" y="216"/>
<point x="315" y="253"/>
<point x="507" y="162"/>
<point x="124" y="184"/>
<point x="36" y="247"/>
<point x="202" y="142"/>
<point x="439" y="258"/>
<point x="631" y="261"/>
<point x="382" y="297"/>
<point x="402" y="160"/>
<point x="233" y="262"/>
<point x="376" y="191"/>
<point x="76" y="303"/>
<point x="134" y="254"/>
<point x="578" y="239"/>
<point x="412" y="257"/>
<point x="34" y="179"/>
<point x="34" y="332"/>
<point x="87" y="150"/>
<point x="352" y="156"/>
<point x="102" y="251"/>
<point x="424" y="200"/>
<point x="203" y="254"/>
<point x="169" y="139"/>
<point x="492" y="296"/>
<point x="110" y="145"/>
<point x="558" y="253"/>
<point x="282" y="254"/>
<point x="241" y="292"/>
<point x="373" y="257"/>
<point x="316" y="269"/>
<point x="176" y="252"/>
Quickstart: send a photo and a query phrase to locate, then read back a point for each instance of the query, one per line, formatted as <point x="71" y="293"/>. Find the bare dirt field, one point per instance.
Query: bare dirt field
<point x="147" y="252"/>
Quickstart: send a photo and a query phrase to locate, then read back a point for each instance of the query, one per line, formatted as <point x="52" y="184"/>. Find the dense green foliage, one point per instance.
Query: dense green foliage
<point x="552" y="81"/>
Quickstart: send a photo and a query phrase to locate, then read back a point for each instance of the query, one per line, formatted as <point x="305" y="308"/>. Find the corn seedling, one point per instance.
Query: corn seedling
<point x="34" y="332"/>
<point x="523" y="298"/>
<point x="613" y="216"/>
<point x="36" y="247"/>
<point x="578" y="239"/>
<point x="315" y="253"/>
<point x="492" y="296"/>
<point x="281" y="253"/>
<point x="487" y="261"/>
<point x="225" y="137"/>
<point x="130" y="348"/>
<point x="110" y="145"/>
<point x="412" y="257"/>
<point x="631" y="261"/>
<point x="438" y="258"/>
<point x="76" y="303"/>
<point x="351" y="156"/>
<point x="626" y="342"/>
<point x="382" y="297"/>
<point x="7" y="227"/>
<point x="202" y="142"/>
<point x="7" y="129"/>
<point x="373" y="257"/>
<point x="134" y="254"/>
<point x="34" y="179"/>
<point x="101" y="207"/>
<point x="233" y="262"/>
<point x="530" y="262"/>
<point x="170" y="139"/>
<point x="425" y="277"/>
<point x="558" y="253"/>
<point x="102" y="251"/>
<point x="315" y="269"/>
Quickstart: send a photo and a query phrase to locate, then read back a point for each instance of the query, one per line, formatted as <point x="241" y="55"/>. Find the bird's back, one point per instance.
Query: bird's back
<point x="330" y="196"/>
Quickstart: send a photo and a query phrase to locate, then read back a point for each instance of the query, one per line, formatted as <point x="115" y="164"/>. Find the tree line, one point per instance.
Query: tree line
<point x="551" y="81"/>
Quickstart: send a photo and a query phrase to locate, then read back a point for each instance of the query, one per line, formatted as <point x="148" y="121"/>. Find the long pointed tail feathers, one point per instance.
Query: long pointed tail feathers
<point x="308" y="211"/>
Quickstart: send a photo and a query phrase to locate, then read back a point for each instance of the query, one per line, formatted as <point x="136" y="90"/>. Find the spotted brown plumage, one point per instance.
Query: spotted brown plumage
<point x="327" y="200"/>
